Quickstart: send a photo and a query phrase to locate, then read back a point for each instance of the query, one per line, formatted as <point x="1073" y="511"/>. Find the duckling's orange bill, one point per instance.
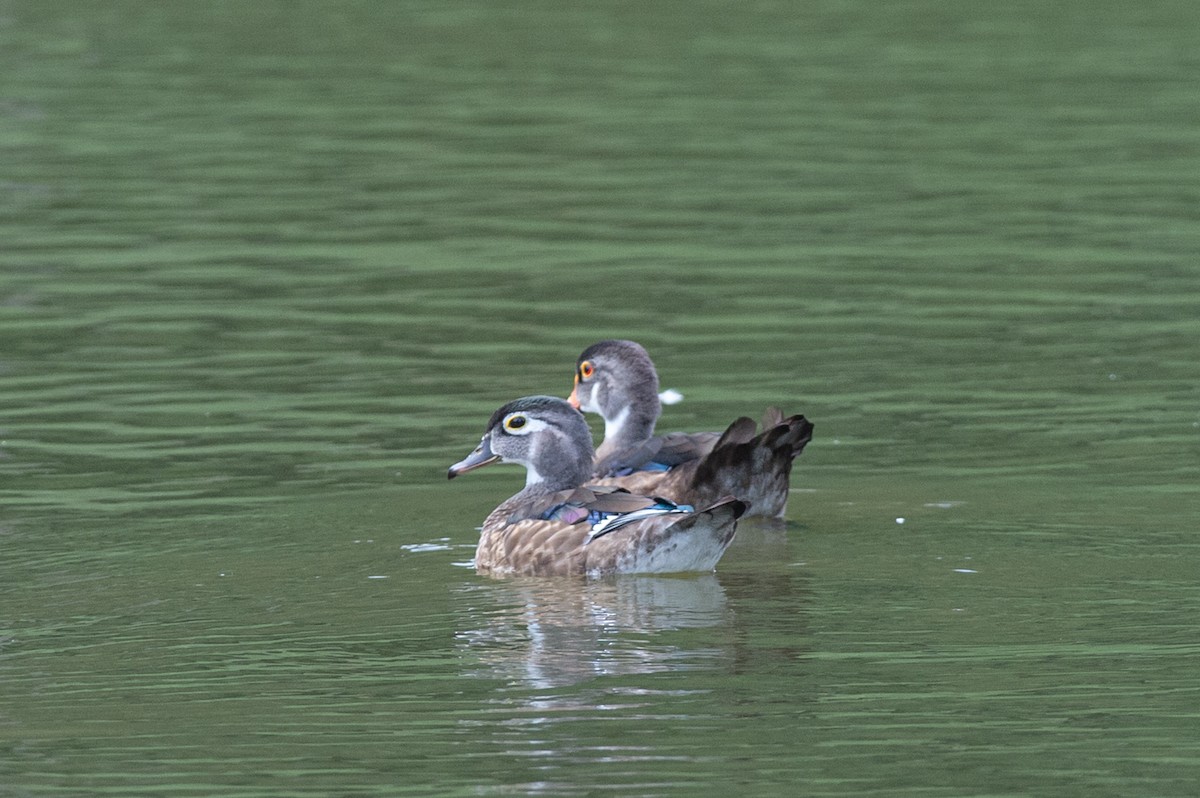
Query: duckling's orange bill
<point x="573" y="400"/>
<point x="483" y="455"/>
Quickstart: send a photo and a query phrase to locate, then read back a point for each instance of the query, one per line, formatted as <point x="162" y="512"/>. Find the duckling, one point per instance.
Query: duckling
<point x="557" y="525"/>
<point x="617" y="380"/>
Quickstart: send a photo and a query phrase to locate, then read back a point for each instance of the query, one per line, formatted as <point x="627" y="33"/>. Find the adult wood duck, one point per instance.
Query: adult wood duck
<point x="617" y="379"/>
<point x="558" y="526"/>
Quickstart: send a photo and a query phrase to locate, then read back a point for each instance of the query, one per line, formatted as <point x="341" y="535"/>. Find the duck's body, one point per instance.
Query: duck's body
<point x="557" y="526"/>
<point x="668" y="539"/>
<point x="617" y="380"/>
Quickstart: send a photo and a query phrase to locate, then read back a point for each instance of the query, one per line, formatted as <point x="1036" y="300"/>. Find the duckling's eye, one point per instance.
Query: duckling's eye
<point x="513" y="423"/>
<point x="586" y="369"/>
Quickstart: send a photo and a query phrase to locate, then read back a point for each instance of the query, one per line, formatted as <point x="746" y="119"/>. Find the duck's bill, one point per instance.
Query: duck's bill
<point x="482" y="456"/>
<point x="573" y="399"/>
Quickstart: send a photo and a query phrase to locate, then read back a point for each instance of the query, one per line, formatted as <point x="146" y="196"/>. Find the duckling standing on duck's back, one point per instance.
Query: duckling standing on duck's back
<point x="617" y="379"/>
<point x="557" y="526"/>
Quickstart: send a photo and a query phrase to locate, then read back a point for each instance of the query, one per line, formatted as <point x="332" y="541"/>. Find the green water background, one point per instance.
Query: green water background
<point x="265" y="269"/>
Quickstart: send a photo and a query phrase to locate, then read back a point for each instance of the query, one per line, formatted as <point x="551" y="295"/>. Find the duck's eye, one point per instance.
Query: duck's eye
<point x="586" y="369"/>
<point x="514" y="423"/>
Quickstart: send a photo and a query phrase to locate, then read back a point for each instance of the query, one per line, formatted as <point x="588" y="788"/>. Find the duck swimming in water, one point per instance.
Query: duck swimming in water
<point x="558" y="525"/>
<point x="617" y="380"/>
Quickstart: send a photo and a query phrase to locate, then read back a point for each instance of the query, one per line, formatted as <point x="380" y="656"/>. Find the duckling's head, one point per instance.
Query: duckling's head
<point x="614" y="379"/>
<point x="544" y="434"/>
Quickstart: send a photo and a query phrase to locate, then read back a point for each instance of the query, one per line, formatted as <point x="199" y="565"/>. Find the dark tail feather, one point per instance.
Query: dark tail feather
<point x="754" y="468"/>
<point x="740" y="431"/>
<point x="796" y="429"/>
<point x="801" y="432"/>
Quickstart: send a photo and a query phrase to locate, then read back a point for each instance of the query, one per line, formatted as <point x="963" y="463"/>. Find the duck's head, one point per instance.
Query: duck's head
<point x="544" y="434"/>
<point x="614" y="379"/>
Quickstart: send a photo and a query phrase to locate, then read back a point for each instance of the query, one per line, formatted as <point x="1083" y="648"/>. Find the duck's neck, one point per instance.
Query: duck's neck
<point x="559" y="463"/>
<point x="631" y="425"/>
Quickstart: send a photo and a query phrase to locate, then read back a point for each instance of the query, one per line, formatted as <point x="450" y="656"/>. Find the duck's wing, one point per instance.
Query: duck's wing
<point x="586" y="503"/>
<point x="666" y="543"/>
<point x="660" y="453"/>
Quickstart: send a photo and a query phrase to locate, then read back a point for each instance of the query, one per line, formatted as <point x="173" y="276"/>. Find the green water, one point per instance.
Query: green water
<point x="265" y="269"/>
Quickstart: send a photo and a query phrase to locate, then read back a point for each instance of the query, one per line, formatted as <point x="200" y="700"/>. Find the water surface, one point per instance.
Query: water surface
<point x="266" y="271"/>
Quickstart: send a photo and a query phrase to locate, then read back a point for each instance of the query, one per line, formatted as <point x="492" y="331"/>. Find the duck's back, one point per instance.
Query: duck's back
<point x="661" y="466"/>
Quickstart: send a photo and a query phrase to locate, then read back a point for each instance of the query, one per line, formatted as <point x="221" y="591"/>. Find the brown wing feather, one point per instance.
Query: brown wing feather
<point x="693" y="542"/>
<point x="674" y="484"/>
<point x="677" y="448"/>
<point x="672" y="449"/>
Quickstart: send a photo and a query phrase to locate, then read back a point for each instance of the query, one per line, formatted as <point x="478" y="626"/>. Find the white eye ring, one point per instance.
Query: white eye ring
<point x="524" y="426"/>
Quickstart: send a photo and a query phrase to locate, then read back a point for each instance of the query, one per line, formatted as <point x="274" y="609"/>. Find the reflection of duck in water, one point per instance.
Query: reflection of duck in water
<point x="617" y="379"/>
<point x="556" y="526"/>
<point x="555" y="632"/>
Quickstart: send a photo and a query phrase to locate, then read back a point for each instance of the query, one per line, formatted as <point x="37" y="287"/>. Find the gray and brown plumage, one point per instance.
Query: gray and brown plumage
<point x="617" y="380"/>
<point x="557" y="525"/>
